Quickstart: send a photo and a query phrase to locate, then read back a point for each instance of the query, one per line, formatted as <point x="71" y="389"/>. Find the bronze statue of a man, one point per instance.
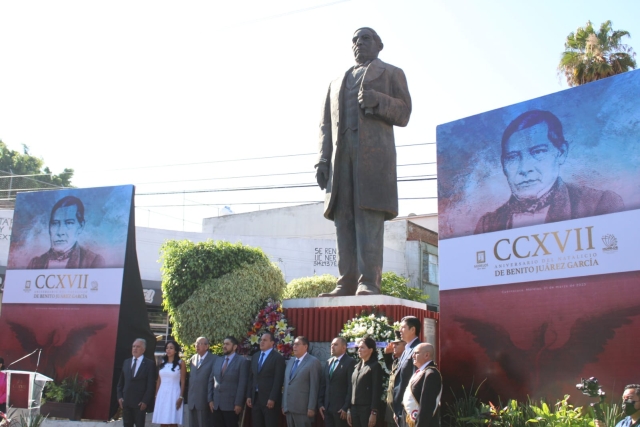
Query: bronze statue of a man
<point x="357" y="162"/>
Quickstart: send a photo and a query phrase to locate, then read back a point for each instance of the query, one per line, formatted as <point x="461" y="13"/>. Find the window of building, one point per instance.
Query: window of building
<point x="430" y="268"/>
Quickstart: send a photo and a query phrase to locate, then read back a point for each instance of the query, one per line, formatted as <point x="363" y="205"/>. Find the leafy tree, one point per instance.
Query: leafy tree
<point x="15" y="163"/>
<point x="591" y="55"/>
<point x="395" y="285"/>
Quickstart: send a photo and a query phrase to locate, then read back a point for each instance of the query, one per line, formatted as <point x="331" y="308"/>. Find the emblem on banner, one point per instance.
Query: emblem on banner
<point x="481" y="260"/>
<point x="148" y="295"/>
<point x="27" y="286"/>
<point x="610" y="242"/>
<point x="94" y="285"/>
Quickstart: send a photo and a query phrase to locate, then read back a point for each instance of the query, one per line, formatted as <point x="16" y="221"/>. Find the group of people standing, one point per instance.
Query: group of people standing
<point x="343" y="391"/>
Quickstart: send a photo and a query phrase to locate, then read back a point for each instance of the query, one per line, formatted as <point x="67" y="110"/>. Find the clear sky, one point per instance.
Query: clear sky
<point x="163" y="94"/>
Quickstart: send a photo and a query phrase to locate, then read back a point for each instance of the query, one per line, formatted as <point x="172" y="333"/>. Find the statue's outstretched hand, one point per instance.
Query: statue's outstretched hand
<point x="322" y="175"/>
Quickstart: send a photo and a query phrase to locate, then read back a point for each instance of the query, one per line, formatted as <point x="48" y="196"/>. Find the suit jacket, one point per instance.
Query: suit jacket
<point x="301" y="389"/>
<point x="140" y="388"/>
<point x="270" y="378"/>
<point x="568" y="202"/>
<point x="376" y="181"/>
<point x="80" y="257"/>
<point x="199" y="381"/>
<point x="228" y="390"/>
<point x="403" y="374"/>
<point x="367" y="383"/>
<point x="335" y="390"/>
<point x="426" y="387"/>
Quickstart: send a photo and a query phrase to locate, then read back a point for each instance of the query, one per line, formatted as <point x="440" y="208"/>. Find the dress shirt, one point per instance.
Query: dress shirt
<point x="406" y="351"/>
<point x="137" y="361"/>
<point x="266" y="354"/>
<point x="201" y="359"/>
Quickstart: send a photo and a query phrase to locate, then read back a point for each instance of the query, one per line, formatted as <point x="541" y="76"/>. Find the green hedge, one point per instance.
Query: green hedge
<point x="186" y="265"/>
<point x="227" y="305"/>
<point x="310" y="287"/>
<point x="215" y="288"/>
<point x="392" y="284"/>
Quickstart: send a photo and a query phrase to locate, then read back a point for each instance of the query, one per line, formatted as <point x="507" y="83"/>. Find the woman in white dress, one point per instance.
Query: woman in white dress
<point x="170" y="387"/>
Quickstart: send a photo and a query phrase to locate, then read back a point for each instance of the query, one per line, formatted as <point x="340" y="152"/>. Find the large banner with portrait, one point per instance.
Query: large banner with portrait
<point x="67" y="270"/>
<point x="539" y="278"/>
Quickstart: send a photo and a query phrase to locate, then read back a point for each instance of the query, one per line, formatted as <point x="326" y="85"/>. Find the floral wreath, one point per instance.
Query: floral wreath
<point x="270" y="319"/>
<point x="377" y="327"/>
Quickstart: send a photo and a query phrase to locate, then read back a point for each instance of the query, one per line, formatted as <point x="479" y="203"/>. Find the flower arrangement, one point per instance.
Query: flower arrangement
<point x="272" y="319"/>
<point x="378" y="328"/>
<point x="4" y="419"/>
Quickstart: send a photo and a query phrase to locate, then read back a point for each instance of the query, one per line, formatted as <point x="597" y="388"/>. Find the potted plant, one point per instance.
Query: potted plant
<point x="67" y="398"/>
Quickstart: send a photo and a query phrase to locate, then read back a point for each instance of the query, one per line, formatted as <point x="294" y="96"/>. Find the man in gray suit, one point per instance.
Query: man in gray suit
<point x="335" y="385"/>
<point x="228" y="385"/>
<point x="301" y="385"/>
<point x="201" y="365"/>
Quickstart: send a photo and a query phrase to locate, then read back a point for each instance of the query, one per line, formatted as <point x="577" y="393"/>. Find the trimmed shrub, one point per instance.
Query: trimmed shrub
<point x="227" y="305"/>
<point x="187" y="265"/>
<point x="392" y="285"/>
<point x="310" y="287"/>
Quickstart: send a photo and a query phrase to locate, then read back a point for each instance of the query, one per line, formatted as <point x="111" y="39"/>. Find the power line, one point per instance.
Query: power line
<point x="266" y="187"/>
<point x="263" y="203"/>
<point x="169" y="216"/>
<point x="257" y="176"/>
<point x="243" y="160"/>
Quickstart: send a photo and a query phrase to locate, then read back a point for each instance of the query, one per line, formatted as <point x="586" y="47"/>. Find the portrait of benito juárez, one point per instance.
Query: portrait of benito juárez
<point x="533" y="150"/>
<point x="66" y="224"/>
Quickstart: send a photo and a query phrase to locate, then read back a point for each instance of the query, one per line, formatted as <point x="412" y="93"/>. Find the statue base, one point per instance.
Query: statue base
<point x="322" y="319"/>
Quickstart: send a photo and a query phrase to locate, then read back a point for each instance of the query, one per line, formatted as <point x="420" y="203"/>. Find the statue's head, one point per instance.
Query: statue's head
<point x="366" y="44"/>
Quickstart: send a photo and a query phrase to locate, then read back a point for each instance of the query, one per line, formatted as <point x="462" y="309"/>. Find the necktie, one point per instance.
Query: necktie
<point x="295" y="366"/>
<point x="199" y="361"/>
<point x="224" y="365"/>
<point x="133" y="367"/>
<point x="261" y="361"/>
<point x="333" y="367"/>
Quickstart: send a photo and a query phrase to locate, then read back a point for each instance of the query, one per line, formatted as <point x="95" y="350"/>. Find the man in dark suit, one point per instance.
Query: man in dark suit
<point x="228" y="385"/>
<point x="201" y="365"/>
<point x="409" y="332"/>
<point x="335" y="385"/>
<point x="301" y="385"/>
<point x="422" y="397"/>
<point x="357" y="161"/>
<point x="136" y="386"/>
<point x="264" y="392"/>
<point x="533" y="150"/>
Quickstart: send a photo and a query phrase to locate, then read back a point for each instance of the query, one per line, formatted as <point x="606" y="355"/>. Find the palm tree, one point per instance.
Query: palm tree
<point x="591" y="55"/>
